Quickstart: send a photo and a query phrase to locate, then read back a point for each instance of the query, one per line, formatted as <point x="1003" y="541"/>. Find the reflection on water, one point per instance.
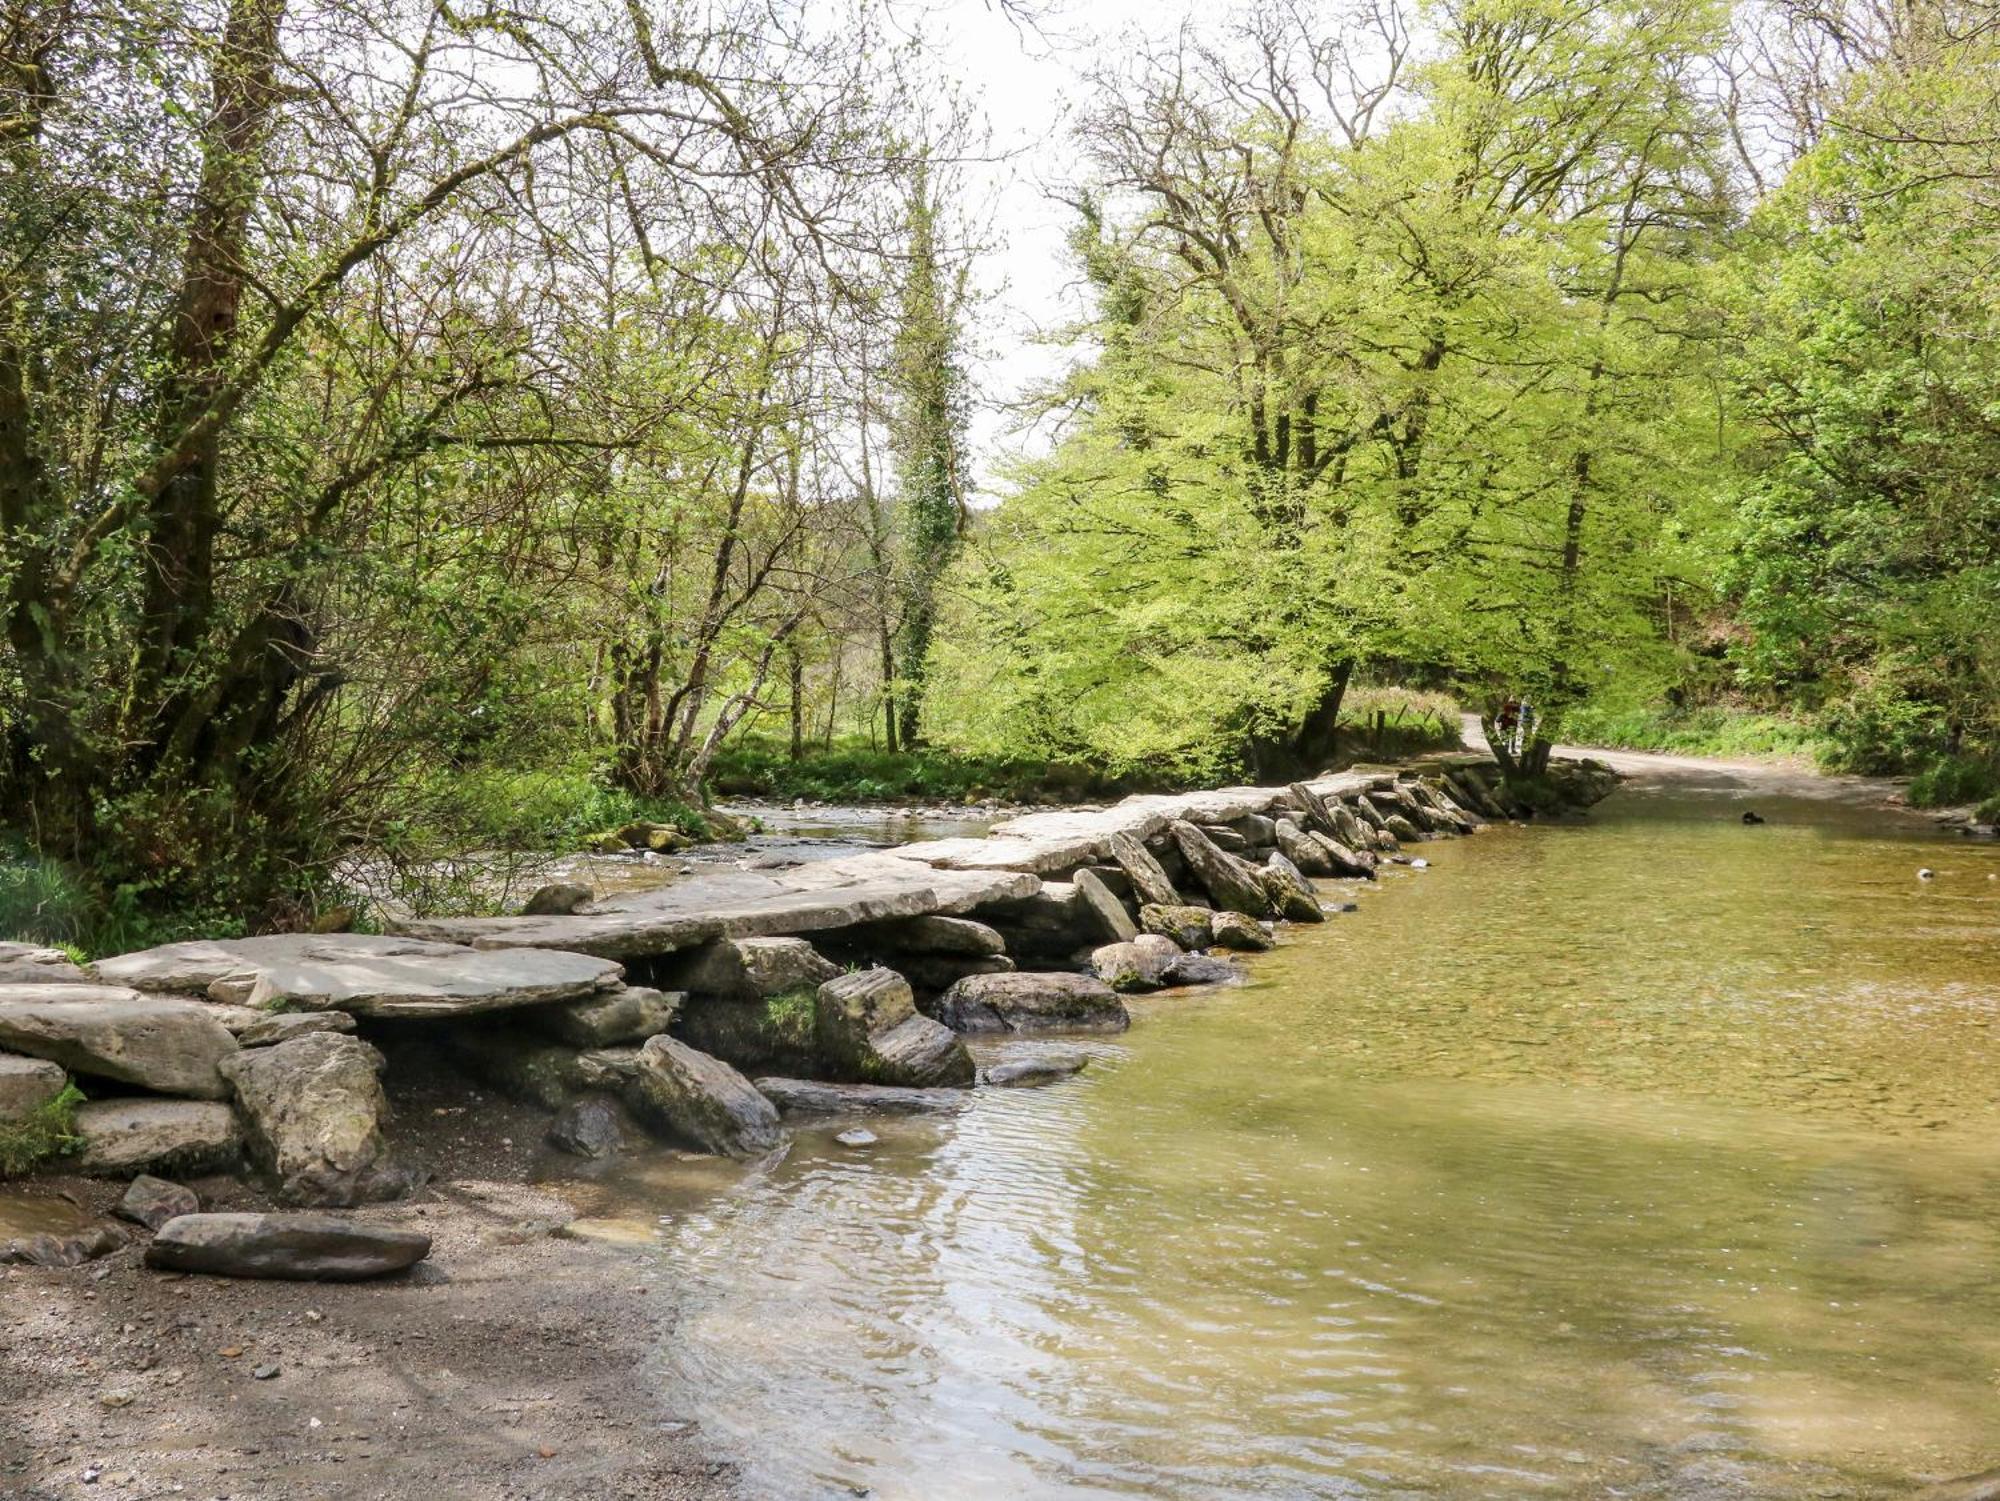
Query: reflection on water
<point x="1647" y="1158"/>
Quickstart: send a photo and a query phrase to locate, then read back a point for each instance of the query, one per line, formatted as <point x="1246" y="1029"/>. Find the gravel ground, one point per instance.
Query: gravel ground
<point x="515" y="1363"/>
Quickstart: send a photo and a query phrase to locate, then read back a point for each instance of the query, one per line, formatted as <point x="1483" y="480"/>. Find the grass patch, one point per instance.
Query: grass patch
<point x="791" y="1019"/>
<point x="55" y="904"/>
<point x="1713" y="730"/>
<point x="47" y="1133"/>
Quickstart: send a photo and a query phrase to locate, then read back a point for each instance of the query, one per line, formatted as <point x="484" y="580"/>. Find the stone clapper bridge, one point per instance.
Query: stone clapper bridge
<point x="840" y="985"/>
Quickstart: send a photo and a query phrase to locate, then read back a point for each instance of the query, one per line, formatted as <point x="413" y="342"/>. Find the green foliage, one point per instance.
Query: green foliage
<point x="45" y="1133"/>
<point x="1959" y="779"/>
<point x="89" y="913"/>
<point x="790" y="1020"/>
<point x="854" y="773"/>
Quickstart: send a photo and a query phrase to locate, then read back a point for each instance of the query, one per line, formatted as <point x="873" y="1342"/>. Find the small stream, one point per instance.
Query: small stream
<point x="1653" y="1156"/>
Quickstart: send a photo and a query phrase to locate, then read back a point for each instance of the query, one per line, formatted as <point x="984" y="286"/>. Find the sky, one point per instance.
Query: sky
<point x="1027" y="84"/>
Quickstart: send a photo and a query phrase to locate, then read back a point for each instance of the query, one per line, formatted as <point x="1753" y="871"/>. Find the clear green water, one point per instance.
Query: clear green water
<point x="1651" y="1157"/>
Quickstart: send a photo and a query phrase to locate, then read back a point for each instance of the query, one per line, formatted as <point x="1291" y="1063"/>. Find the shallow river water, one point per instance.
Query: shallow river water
<point x="1648" y="1156"/>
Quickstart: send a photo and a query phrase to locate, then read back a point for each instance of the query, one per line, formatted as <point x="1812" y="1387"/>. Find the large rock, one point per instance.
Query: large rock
<point x="1291" y="893"/>
<point x="294" y="1247"/>
<point x="122" y="1138"/>
<point x="367" y="974"/>
<point x="817" y="1097"/>
<point x="31" y="964"/>
<point x="1149" y="879"/>
<point x="1139" y="965"/>
<point x="1032" y="1003"/>
<point x="869" y="1029"/>
<point x="959" y="936"/>
<point x="168" y="1046"/>
<point x="1052" y="921"/>
<point x="703" y="1100"/>
<point x="1232" y="884"/>
<point x="751" y="969"/>
<point x="589" y="1127"/>
<point x="632" y="1013"/>
<point x="26" y="1085"/>
<point x="1344" y="859"/>
<point x="1303" y="849"/>
<point x="1114" y="923"/>
<point x="1203" y="969"/>
<point x="1233" y="930"/>
<point x="314" y="1109"/>
<point x="557" y="899"/>
<point x="1186" y="926"/>
<point x="1348" y="827"/>
<point x="285" y="1025"/>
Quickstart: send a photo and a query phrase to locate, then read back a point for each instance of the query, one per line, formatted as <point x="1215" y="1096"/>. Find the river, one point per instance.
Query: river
<point x="1651" y="1155"/>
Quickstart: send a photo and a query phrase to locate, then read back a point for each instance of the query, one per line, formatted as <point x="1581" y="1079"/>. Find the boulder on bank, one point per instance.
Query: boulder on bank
<point x="869" y="1029"/>
<point x="752" y="969"/>
<point x="1291" y="893"/>
<point x="703" y="1100"/>
<point x="168" y="1046"/>
<point x="1233" y="885"/>
<point x="1053" y="921"/>
<point x="1139" y="965"/>
<point x="1233" y="930"/>
<point x="294" y="1247"/>
<point x="122" y="1138"/>
<point x="151" y="1201"/>
<point x="631" y="1013"/>
<point x="1348" y="828"/>
<point x="1185" y="926"/>
<point x="27" y="1085"/>
<point x="368" y="974"/>
<point x="1202" y="969"/>
<point x="817" y="1097"/>
<point x="1032" y="1003"/>
<point x="314" y="1108"/>
<point x="557" y="899"/>
<point x="589" y="1127"/>
<point x="1150" y="882"/>
<point x="31" y="964"/>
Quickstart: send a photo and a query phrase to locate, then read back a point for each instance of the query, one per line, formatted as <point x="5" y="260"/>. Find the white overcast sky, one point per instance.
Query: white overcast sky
<point x="1027" y="84"/>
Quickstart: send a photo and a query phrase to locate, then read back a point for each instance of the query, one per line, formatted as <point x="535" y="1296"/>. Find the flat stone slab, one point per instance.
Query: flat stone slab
<point x="365" y="974"/>
<point x="294" y="1247"/>
<point x="111" y="1032"/>
<point x="31" y="964"/>
<point x="814" y="1097"/>
<point x="742" y="904"/>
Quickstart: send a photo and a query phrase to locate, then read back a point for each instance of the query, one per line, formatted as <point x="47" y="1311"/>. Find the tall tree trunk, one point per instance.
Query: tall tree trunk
<point x="184" y="514"/>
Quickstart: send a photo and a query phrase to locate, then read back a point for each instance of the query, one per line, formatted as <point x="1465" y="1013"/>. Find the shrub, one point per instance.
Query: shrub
<point x="47" y="1132"/>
